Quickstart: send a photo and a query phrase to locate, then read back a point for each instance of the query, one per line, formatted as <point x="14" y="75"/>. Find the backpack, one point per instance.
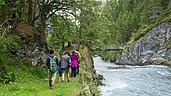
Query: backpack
<point x="53" y="66"/>
<point x="59" y="67"/>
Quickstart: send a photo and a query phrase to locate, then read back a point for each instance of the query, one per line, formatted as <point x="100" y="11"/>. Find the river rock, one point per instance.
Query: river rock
<point x="117" y="67"/>
<point x="150" y="49"/>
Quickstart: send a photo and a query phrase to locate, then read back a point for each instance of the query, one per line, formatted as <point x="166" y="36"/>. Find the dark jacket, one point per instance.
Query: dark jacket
<point x="48" y="60"/>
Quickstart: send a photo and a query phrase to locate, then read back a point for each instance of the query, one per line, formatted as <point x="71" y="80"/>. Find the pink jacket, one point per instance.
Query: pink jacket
<point x="74" y="62"/>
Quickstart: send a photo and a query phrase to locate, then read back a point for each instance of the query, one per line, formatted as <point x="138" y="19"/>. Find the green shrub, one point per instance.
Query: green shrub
<point x="5" y="76"/>
<point x="39" y="71"/>
<point x="9" y="44"/>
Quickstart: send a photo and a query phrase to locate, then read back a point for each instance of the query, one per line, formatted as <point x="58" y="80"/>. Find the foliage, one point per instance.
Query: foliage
<point x="7" y="76"/>
<point x="60" y="31"/>
<point x="83" y="22"/>
<point x="107" y="55"/>
<point x="87" y="22"/>
<point x="39" y="71"/>
<point x="129" y="20"/>
<point x="9" y="44"/>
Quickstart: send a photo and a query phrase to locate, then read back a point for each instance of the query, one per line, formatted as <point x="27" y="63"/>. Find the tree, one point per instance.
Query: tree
<point x="46" y="9"/>
<point x="30" y="11"/>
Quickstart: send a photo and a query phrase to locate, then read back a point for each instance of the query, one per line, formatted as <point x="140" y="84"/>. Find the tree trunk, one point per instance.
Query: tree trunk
<point x="63" y="43"/>
<point x="79" y="37"/>
<point x="80" y="30"/>
<point x="30" y="11"/>
<point x="43" y="29"/>
<point x="69" y="43"/>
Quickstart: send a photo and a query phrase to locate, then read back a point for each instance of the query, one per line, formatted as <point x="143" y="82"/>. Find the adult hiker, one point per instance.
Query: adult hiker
<point x="79" y="59"/>
<point x="52" y="63"/>
<point x="74" y="63"/>
<point x="65" y="65"/>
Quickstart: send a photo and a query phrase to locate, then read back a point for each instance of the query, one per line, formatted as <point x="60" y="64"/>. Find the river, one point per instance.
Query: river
<point x="150" y="80"/>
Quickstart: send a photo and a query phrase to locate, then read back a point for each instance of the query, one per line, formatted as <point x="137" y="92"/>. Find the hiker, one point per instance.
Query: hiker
<point x="65" y="65"/>
<point x="52" y="63"/>
<point x="74" y="63"/>
<point x="79" y="59"/>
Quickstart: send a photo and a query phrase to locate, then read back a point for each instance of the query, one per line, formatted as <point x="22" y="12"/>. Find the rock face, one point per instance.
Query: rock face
<point x="150" y="49"/>
<point x="31" y="49"/>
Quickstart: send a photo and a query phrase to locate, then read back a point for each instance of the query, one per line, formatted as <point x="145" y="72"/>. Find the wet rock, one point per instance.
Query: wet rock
<point x="117" y="67"/>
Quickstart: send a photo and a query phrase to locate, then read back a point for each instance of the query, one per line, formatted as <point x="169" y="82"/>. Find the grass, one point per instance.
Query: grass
<point x="33" y="87"/>
<point x="33" y="81"/>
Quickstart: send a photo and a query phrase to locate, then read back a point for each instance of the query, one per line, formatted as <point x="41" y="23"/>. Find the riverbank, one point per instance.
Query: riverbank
<point x="88" y="78"/>
<point x="31" y="81"/>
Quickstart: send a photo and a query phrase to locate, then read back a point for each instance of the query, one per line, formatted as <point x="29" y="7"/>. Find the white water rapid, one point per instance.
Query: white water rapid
<point x="150" y="80"/>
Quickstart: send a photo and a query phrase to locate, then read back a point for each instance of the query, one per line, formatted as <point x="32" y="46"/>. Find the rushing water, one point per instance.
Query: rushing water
<point x="151" y="80"/>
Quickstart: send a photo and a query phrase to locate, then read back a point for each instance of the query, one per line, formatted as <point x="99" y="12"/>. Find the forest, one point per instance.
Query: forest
<point x="63" y="23"/>
<point x="84" y="22"/>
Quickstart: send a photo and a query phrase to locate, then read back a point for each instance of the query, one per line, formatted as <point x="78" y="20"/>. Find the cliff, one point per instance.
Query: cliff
<point x="153" y="48"/>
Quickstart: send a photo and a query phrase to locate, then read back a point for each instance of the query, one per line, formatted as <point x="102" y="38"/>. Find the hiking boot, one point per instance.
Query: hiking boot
<point x="51" y="87"/>
<point x="68" y="80"/>
<point x="62" y="81"/>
